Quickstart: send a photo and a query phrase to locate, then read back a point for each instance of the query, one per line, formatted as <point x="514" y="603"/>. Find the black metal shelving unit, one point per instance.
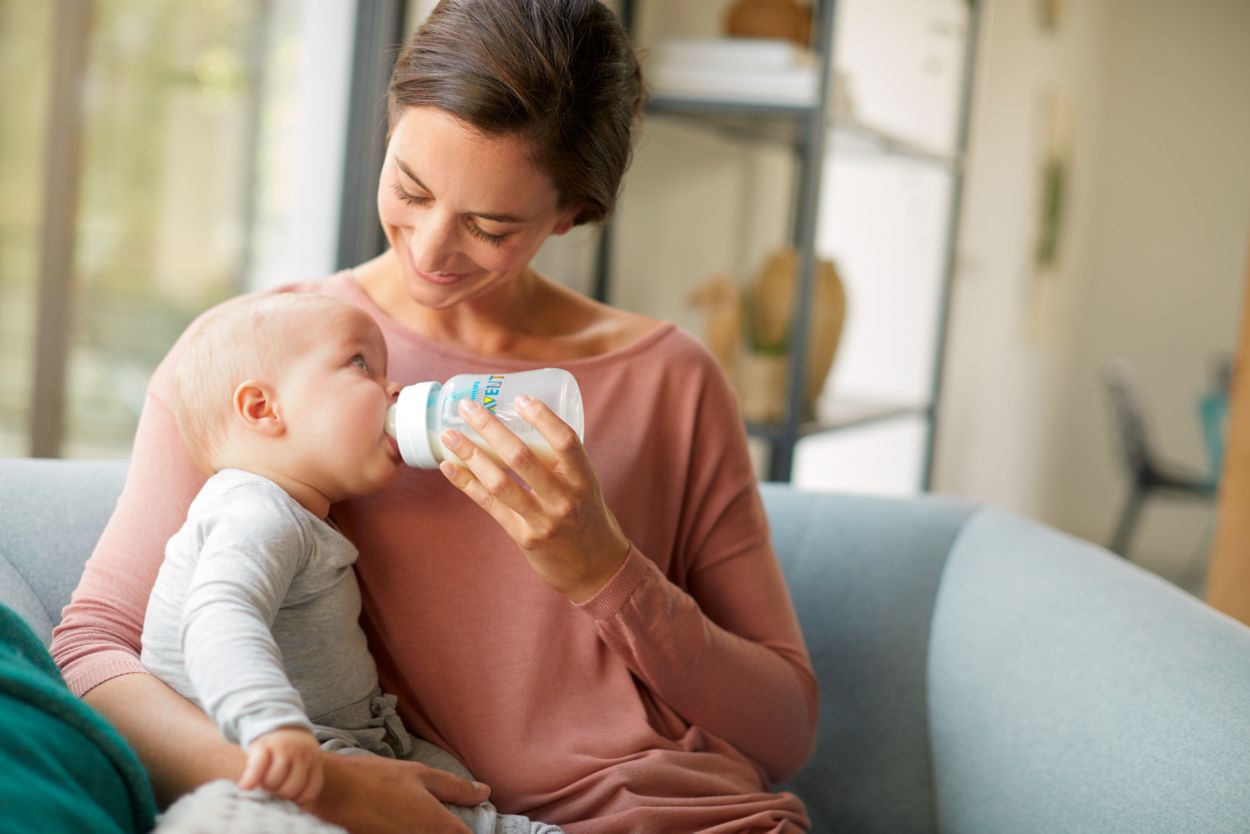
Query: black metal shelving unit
<point x="807" y="129"/>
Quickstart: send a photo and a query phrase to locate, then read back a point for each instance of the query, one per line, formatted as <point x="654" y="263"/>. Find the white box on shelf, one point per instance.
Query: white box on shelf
<point x="762" y="54"/>
<point x="743" y="70"/>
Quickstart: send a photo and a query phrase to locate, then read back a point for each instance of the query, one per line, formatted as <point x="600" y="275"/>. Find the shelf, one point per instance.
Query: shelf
<point x="786" y="124"/>
<point x="853" y="136"/>
<point x="740" y="120"/>
<point x="808" y="118"/>
<point x="842" y="415"/>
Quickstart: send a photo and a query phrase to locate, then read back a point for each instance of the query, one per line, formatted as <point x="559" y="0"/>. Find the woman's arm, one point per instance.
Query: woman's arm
<point x="365" y="794"/>
<point x="723" y="648"/>
<point x="726" y="656"/>
<point x="177" y="742"/>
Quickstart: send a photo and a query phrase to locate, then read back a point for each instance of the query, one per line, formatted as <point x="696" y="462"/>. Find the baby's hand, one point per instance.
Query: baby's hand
<point x="286" y="762"/>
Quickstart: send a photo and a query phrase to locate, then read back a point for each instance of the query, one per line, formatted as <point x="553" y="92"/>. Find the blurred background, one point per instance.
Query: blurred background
<point x="1010" y="236"/>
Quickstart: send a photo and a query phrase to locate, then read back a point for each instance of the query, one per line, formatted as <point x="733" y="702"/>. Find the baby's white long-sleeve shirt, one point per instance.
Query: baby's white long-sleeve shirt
<point x="255" y="612"/>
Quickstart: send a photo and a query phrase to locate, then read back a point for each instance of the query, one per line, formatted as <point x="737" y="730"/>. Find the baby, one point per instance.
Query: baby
<point x="254" y="616"/>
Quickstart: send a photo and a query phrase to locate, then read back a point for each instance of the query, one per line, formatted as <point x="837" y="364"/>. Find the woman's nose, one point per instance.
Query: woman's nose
<point x="433" y="242"/>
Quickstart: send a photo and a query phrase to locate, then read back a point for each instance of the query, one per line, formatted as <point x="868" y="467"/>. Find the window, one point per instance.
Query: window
<point x="155" y="158"/>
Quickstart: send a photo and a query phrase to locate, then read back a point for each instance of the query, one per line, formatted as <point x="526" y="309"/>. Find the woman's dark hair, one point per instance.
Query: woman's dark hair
<point x="560" y="74"/>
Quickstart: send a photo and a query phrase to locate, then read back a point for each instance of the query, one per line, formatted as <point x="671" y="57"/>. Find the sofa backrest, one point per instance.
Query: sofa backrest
<point x="864" y="573"/>
<point x="54" y="512"/>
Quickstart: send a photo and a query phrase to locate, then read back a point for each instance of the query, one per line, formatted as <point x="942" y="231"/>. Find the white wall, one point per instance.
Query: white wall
<point x="1157" y="245"/>
<point x="1167" y="257"/>
<point x="1002" y="375"/>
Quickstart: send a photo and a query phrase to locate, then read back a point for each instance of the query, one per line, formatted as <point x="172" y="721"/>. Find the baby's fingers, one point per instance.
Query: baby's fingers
<point x="258" y="758"/>
<point x="276" y="775"/>
<point x="312" y="789"/>
<point x="296" y="782"/>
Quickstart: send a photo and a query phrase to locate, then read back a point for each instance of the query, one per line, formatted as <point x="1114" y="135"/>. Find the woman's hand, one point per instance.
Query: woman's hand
<point x="377" y="795"/>
<point x="561" y="523"/>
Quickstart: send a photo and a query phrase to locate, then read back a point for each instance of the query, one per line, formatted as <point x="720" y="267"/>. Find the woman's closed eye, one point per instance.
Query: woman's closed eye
<point x="486" y="237"/>
<point x="474" y="229"/>
<point x="410" y="199"/>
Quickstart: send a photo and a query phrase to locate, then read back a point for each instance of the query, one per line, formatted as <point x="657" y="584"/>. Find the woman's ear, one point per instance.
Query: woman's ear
<point x="565" y="221"/>
<point x="257" y="406"/>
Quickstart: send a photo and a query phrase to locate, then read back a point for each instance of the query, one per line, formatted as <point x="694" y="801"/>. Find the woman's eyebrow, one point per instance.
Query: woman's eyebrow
<point x="498" y="218"/>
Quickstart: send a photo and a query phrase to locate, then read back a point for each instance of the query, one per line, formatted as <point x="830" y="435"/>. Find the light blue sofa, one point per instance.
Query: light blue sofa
<point x="979" y="672"/>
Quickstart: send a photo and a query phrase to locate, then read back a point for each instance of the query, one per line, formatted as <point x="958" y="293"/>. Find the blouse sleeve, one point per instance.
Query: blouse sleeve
<point x="98" y="637"/>
<point x="718" y="639"/>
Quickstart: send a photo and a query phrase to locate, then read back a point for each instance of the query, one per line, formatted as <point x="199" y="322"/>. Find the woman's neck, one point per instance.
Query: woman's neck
<point x="526" y="317"/>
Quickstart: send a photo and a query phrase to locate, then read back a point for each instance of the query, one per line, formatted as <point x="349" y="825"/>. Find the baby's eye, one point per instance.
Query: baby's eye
<point x="359" y="362"/>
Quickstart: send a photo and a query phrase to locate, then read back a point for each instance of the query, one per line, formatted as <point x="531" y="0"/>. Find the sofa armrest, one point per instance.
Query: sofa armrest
<point x="1070" y="690"/>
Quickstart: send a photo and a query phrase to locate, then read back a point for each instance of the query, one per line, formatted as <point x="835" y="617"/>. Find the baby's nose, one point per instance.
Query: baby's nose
<point x="393" y="388"/>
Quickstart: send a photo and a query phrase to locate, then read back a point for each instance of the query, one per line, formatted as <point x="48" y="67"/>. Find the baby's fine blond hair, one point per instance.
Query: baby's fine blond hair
<point x="251" y="337"/>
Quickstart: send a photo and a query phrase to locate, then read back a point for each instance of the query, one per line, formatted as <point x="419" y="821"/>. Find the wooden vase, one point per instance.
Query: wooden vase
<point x="770" y="19"/>
<point x="773" y="298"/>
<point x="761" y="384"/>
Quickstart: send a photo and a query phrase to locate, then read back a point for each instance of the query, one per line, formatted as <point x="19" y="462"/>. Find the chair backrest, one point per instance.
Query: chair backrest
<point x="1129" y="419"/>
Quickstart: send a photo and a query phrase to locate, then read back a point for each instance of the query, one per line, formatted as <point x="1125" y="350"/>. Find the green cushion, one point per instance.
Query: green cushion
<point x="62" y="767"/>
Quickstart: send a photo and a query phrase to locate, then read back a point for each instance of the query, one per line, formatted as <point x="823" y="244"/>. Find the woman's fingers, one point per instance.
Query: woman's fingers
<point x="571" y="459"/>
<point x="453" y="789"/>
<point x="467" y="477"/>
<point x="510" y="449"/>
<point x="548" y="475"/>
<point x="383" y="796"/>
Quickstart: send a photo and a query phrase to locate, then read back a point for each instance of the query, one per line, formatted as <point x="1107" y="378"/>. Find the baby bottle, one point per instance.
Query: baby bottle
<point x="425" y="410"/>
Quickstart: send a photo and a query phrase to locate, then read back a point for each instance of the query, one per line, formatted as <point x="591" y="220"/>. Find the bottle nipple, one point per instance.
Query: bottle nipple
<point x="389" y="426"/>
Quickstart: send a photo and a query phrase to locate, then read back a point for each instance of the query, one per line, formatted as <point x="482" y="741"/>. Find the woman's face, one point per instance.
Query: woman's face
<point x="464" y="212"/>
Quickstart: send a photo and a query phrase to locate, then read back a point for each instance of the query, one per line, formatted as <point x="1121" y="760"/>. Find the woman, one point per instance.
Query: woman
<point x="617" y="651"/>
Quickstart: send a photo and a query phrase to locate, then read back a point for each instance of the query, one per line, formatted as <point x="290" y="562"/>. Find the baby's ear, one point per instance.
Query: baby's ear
<point x="255" y="404"/>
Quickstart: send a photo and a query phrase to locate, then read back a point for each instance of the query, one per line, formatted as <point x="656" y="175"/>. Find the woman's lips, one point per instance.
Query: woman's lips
<point x="442" y="279"/>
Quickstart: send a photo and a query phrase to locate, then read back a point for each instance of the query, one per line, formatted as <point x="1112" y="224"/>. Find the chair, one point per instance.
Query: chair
<point x="1148" y="476"/>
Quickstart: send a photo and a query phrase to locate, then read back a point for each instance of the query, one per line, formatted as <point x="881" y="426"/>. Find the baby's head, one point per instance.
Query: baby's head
<point x="292" y="386"/>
